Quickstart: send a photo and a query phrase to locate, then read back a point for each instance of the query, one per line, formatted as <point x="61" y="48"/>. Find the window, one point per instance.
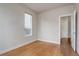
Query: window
<point x="28" y="25"/>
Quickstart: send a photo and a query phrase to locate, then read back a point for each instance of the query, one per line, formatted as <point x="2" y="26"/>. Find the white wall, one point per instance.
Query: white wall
<point x="12" y="26"/>
<point x="69" y="27"/>
<point x="64" y="27"/>
<point x="48" y="24"/>
<point x="77" y="7"/>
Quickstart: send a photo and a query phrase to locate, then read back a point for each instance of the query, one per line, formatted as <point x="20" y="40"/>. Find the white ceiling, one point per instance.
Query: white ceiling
<point x="40" y="7"/>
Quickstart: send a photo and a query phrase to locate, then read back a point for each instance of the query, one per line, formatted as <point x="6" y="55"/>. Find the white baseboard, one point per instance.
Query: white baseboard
<point x="12" y="48"/>
<point x="50" y="41"/>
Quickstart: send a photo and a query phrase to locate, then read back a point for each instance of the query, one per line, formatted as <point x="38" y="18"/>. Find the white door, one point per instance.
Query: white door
<point x="73" y="30"/>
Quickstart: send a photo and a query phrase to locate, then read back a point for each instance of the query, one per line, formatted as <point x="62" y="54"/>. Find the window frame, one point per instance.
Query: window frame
<point x="27" y="35"/>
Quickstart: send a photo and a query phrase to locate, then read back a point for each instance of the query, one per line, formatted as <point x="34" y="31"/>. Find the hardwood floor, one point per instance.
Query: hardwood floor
<point x="39" y="48"/>
<point x="66" y="48"/>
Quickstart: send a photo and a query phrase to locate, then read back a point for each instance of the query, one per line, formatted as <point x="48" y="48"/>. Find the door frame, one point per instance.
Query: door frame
<point x="75" y="18"/>
<point x="60" y="23"/>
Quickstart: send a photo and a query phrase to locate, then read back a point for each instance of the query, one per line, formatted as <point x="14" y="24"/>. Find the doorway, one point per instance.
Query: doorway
<point x="68" y="30"/>
<point x="65" y="29"/>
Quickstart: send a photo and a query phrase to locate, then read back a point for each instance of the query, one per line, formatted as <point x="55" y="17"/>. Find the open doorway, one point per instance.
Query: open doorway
<point x="65" y="29"/>
<point x="68" y="32"/>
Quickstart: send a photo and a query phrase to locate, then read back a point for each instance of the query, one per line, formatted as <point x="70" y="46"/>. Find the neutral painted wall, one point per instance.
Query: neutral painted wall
<point x="77" y="8"/>
<point x="64" y="27"/>
<point x="69" y="26"/>
<point x="48" y="23"/>
<point x="12" y="26"/>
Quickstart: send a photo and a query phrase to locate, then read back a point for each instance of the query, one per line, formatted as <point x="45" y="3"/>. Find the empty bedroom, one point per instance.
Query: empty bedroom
<point x="39" y="29"/>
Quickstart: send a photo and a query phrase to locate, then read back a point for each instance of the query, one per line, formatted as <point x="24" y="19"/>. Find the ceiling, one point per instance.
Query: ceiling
<point x="40" y="7"/>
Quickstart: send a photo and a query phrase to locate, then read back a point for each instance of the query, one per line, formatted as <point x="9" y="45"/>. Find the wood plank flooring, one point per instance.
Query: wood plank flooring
<point x="39" y="48"/>
<point x="66" y="48"/>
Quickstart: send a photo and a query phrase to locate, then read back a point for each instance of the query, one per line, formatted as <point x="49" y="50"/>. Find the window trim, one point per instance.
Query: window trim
<point x="27" y="35"/>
